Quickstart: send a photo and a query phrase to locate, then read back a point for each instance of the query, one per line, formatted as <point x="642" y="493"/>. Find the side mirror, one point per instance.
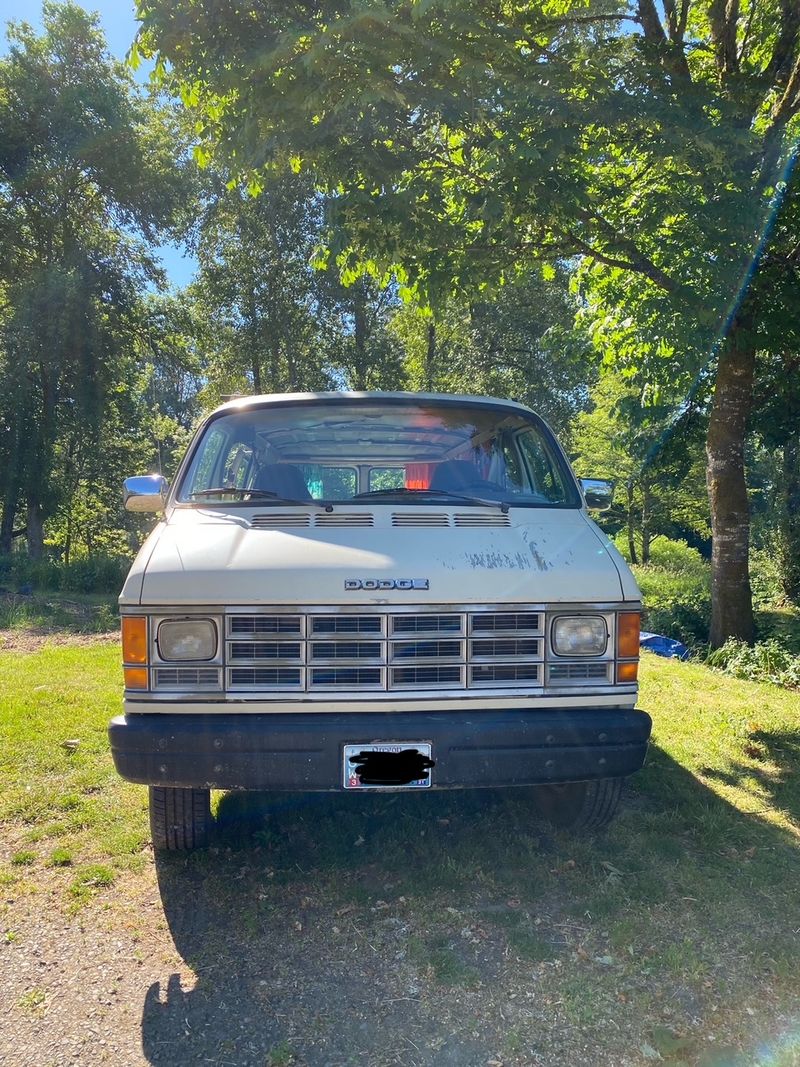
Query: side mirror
<point x="147" y="492"/>
<point x="598" y="493"/>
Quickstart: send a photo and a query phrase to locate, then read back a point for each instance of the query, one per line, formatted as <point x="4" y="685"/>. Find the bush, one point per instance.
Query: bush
<point x="765" y="576"/>
<point x="93" y="574"/>
<point x="766" y="661"/>
<point x="676" y="590"/>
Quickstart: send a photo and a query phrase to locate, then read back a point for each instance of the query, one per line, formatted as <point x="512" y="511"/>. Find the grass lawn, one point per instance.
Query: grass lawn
<point x="678" y="930"/>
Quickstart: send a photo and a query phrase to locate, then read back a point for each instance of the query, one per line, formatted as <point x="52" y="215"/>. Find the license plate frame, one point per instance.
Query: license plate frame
<point x="351" y="781"/>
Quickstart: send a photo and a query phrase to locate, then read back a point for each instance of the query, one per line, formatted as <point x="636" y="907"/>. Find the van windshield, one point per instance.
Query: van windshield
<point x="342" y="450"/>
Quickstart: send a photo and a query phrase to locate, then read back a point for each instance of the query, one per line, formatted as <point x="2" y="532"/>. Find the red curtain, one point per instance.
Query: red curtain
<point x="418" y="475"/>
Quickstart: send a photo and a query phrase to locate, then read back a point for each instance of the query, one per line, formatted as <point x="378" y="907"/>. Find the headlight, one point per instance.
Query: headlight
<point x="580" y="635"/>
<point x="194" y="639"/>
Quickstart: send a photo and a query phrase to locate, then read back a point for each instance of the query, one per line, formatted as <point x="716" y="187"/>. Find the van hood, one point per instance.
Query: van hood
<point x="205" y="557"/>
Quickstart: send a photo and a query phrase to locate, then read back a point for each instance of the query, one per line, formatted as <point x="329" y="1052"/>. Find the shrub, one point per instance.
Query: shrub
<point x="766" y="661"/>
<point x="93" y="574"/>
<point x="765" y="576"/>
<point x="676" y="590"/>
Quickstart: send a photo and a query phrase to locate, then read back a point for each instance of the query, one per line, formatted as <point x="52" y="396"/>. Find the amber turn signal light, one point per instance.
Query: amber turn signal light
<point x="627" y="672"/>
<point x="134" y="639"/>
<point x="135" y="677"/>
<point x="628" y="627"/>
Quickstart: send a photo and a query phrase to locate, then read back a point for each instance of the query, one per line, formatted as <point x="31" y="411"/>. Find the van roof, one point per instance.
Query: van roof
<point x="239" y="402"/>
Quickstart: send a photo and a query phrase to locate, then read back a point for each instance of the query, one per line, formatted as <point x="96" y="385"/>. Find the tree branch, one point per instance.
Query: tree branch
<point x="787" y="106"/>
<point x="639" y="265"/>
<point x="723" y="16"/>
<point x="648" y="19"/>
<point x="746" y="35"/>
<point x="683" y="19"/>
<point x="785" y="44"/>
<point x="637" y="260"/>
<point x="672" y="19"/>
<point x="673" y="58"/>
<point x="583" y="19"/>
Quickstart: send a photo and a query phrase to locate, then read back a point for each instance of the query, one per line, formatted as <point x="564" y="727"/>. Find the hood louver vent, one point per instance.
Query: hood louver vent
<point x="345" y="518"/>
<point x="279" y="520"/>
<point x="420" y="518"/>
<point x="481" y="519"/>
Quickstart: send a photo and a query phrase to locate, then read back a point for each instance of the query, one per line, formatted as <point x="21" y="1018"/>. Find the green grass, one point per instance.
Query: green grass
<point x="32" y="1000"/>
<point x="60" y="807"/>
<point x="690" y="897"/>
<point x="280" y="1055"/>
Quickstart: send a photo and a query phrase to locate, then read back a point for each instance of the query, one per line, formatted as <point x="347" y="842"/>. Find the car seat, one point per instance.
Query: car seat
<point x="284" y="479"/>
<point x="456" y="475"/>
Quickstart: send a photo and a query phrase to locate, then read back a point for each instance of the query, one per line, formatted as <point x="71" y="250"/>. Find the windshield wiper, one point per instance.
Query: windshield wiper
<point x="255" y="494"/>
<point x="405" y="491"/>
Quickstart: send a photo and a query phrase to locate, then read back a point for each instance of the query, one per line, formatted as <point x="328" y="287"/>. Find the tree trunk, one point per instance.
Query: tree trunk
<point x="631" y="530"/>
<point x="274" y="365"/>
<point x="645" y="524"/>
<point x="7" y="523"/>
<point x="731" y="597"/>
<point x="790" y="519"/>
<point x="256" y="374"/>
<point x="12" y="493"/>
<point x="254" y="334"/>
<point x="35" y="531"/>
<point x="359" y="339"/>
<point x="430" y="356"/>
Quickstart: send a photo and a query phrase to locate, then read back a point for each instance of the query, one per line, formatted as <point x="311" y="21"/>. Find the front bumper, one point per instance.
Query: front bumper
<point x="304" y="751"/>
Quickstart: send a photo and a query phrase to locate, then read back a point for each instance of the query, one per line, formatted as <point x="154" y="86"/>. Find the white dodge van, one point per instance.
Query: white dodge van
<point x="376" y="591"/>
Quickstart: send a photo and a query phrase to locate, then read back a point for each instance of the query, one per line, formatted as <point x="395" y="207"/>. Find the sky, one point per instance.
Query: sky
<point x="119" y="24"/>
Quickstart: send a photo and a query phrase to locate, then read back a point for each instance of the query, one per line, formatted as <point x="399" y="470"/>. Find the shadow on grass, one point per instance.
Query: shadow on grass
<point x="775" y="761"/>
<point x="329" y="928"/>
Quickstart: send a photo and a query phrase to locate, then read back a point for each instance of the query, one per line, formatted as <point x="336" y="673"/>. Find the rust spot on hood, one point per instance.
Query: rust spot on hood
<point x="492" y="561"/>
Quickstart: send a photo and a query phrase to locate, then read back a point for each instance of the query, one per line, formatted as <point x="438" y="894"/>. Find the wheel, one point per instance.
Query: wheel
<point x="580" y="805"/>
<point x="179" y="818"/>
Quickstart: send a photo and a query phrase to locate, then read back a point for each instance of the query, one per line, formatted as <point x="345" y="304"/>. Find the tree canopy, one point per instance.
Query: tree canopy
<point x="87" y="175"/>
<point x="459" y="141"/>
<point x="586" y="205"/>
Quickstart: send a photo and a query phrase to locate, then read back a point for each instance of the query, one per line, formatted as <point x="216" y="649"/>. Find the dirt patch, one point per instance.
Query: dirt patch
<point x="167" y="969"/>
<point x="224" y="959"/>
<point x="34" y="640"/>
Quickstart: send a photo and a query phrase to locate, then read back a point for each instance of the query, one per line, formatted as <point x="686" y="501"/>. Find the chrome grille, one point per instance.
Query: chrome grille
<point x="427" y="624"/>
<point x="347" y="677"/>
<point x="380" y="650"/>
<point x="247" y="651"/>
<point x="265" y="678"/>
<point x="575" y="673"/>
<point x="320" y="651"/>
<point x="186" y="678"/>
<point x="506" y="622"/>
<point x="427" y="677"/>
<point x="265" y="624"/>
<point x="506" y="648"/>
<point x="346" y="624"/>
<point x="426" y="650"/>
<point x="486" y="674"/>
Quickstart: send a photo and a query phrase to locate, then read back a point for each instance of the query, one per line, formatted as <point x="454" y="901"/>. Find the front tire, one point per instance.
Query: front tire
<point x="580" y="805"/>
<point x="180" y="819"/>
